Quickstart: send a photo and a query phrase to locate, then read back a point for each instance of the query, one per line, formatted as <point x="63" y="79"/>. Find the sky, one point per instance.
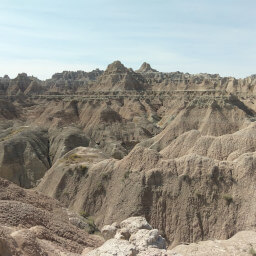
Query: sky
<point x="42" y="37"/>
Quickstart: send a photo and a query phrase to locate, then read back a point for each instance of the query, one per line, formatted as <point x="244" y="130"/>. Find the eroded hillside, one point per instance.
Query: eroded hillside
<point x="178" y="149"/>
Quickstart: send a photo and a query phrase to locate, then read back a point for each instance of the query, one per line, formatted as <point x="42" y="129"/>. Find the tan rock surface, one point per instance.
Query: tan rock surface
<point x="241" y="244"/>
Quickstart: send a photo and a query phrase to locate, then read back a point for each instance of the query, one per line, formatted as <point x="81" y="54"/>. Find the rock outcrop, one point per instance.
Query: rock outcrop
<point x="132" y="237"/>
<point x="145" y="68"/>
<point x="8" y="111"/>
<point x="118" y="78"/>
<point x="21" y="82"/>
<point x="135" y="237"/>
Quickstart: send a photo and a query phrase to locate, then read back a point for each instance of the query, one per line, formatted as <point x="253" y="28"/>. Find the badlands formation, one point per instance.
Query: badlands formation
<point x="160" y="163"/>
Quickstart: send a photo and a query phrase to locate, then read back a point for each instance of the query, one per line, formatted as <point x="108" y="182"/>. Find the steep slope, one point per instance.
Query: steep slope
<point x="27" y="152"/>
<point x="145" y="68"/>
<point x="20" y="83"/>
<point x="183" y="159"/>
<point x="65" y="139"/>
<point x="212" y="117"/>
<point x="8" y="110"/>
<point x="24" y="155"/>
<point x="243" y="243"/>
<point x="33" y="224"/>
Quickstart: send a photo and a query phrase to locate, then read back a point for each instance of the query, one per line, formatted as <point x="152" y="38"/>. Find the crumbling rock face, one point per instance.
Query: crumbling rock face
<point x="66" y="179"/>
<point x="33" y="224"/>
<point x="188" y="195"/>
<point x="145" y="241"/>
<point x="24" y="155"/>
<point x="34" y="88"/>
<point x="21" y="82"/>
<point x="27" y="152"/>
<point x="64" y="140"/>
<point x="119" y="78"/>
<point x="8" y="111"/>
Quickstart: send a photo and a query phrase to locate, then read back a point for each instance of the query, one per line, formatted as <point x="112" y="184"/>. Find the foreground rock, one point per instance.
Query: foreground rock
<point x="241" y="244"/>
<point x="32" y="225"/>
<point x="133" y="236"/>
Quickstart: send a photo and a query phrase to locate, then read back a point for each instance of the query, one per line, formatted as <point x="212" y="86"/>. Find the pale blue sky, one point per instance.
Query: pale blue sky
<point x="42" y="37"/>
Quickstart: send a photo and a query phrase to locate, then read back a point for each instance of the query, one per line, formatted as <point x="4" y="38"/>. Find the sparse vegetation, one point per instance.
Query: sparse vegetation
<point x="198" y="194"/>
<point x="91" y="229"/>
<point x="99" y="187"/>
<point x="252" y="251"/>
<point x="185" y="177"/>
<point x="82" y="169"/>
<point x="66" y="193"/>
<point x="228" y="198"/>
<point x="106" y="176"/>
<point x="221" y="178"/>
<point x="84" y="214"/>
<point x="126" y="175"/>
<point x="12" y="133"/>
<point x="73" y="157"/>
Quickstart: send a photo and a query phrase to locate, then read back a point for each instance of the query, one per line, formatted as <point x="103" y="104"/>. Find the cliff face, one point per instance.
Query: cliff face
<point x="190" y="191"/>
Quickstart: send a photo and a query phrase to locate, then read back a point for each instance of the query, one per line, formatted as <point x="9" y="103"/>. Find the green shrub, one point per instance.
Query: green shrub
<point x="12" y="133"/>
<point x="106" y="176"/>
<point x="228" y="198"/>
<point x="252" y="251"/>
<point x="84" y="214"/>
<point x="82" y="169"/>
<point x="198" y="194"/>
<point x="91" y="229"/>
<point x="127" y="174"/>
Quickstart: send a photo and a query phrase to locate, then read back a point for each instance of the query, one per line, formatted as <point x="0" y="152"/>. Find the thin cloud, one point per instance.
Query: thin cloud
<point x="191" y="36"/>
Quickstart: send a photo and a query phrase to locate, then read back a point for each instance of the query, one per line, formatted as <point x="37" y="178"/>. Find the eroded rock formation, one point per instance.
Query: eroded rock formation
<point x="175" y="148"/>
